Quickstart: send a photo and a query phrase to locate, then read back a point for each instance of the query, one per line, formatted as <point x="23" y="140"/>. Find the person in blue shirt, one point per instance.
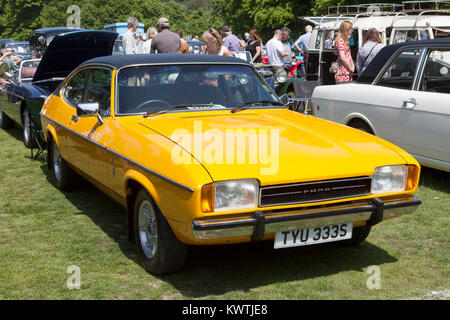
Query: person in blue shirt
<point x="303" y="41"/>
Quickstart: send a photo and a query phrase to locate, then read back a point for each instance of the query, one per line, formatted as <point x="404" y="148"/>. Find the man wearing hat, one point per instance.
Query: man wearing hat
<point x="11" y="61"/>
<point x="230" y="41"/>
<point x="165" y="41"/>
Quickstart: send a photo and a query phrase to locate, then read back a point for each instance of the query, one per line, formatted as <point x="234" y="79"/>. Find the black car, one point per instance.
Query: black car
<point x="21" y="98"/>
<point x="40" y="39"/>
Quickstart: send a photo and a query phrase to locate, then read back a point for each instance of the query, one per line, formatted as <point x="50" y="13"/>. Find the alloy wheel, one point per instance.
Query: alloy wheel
<point x="148" y="229"/>
<point x="56" y="163"/>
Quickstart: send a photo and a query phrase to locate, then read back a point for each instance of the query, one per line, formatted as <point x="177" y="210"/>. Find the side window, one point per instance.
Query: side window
<point x="400" y="73"/>
<point x="410" y="35"/>
<point x="99" y="90"/>
<point x="435" y="77"/>
<point x="74" y="90"/>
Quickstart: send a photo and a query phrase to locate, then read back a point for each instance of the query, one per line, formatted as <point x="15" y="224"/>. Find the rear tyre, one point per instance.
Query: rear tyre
<point x="359" y="234"/>
<point x="158" y="247"/>
<point x="361" y="125"/>
<point x="62" y="175"/>
<point x="29" y="139"/>
<point x="5" y="122"/>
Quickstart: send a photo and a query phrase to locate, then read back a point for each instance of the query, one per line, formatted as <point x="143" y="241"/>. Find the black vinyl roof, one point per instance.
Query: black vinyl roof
<point x="375" y="66"/>
<point x="120" y="61"/>
<point x="55" y="30"/>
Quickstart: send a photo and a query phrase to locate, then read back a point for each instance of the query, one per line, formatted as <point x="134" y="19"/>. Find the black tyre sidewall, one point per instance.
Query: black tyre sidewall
<point x="67" y="175"/>
<point x="167" y="244"/>
<point x="31" y="143"/>
<point x="359" y="234"/>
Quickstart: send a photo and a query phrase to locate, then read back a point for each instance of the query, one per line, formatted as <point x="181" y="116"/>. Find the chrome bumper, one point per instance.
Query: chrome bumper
<point x="256" y="224"/>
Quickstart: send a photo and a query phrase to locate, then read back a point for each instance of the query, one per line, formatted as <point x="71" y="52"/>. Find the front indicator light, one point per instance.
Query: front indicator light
<point x="207" y="198"/>
<point x="413" y="177"/>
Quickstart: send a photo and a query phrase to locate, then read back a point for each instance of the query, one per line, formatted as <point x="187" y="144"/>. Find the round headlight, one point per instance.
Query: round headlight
<point x="281" y="76"/>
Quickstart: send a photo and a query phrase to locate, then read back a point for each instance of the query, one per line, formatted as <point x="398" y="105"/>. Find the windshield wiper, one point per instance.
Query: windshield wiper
<point x="182" y="106"/>
<point x="249" y="103"/>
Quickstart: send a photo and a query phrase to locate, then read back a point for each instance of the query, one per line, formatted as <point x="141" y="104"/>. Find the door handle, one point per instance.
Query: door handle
<point x="409" y="104"/>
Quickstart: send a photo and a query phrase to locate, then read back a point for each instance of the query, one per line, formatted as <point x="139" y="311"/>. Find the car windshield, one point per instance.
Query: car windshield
<point x="29" y="68"/>
<point x="20" y="48"/>
<point x="146" y="89"/>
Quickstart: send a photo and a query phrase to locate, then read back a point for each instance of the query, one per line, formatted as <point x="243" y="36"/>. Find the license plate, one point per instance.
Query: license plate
<point x="305" y="237"/>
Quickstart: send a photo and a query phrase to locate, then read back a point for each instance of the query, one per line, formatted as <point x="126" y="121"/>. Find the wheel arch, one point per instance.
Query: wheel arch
<point x="50" y="135"/>
<point x="133" y="182"/>
<point x="358" y="117"/>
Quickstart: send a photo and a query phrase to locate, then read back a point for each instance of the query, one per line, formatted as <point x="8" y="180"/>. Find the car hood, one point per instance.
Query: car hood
<point x="68" y="50"/>
<point x="280" y="146"/>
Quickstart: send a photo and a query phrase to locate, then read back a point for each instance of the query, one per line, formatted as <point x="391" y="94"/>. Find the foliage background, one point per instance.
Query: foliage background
<point x="19" y="17"/>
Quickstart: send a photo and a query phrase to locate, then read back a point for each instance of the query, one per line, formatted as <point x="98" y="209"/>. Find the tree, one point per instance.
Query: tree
<point x="264" y="15"/>
<point x="19" y="17"/>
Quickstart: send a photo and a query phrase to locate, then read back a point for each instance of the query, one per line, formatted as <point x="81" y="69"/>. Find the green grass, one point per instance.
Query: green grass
<point x="44" y="231"/>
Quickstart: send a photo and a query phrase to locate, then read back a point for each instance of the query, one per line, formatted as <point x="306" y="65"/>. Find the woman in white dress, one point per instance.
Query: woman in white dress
<point x="214" y="44"/>
<point x="151" y="32"/>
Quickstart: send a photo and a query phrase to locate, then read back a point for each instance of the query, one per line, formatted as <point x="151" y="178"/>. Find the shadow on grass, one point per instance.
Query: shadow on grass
<point x="435" y="179"/>
<point x="15" y="132"/>
<point x="216" y="270"/>
<point x="104" y="212"/>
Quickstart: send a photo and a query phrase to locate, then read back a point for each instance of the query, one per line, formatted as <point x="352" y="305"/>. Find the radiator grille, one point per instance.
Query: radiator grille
<point x="314" y="191"/>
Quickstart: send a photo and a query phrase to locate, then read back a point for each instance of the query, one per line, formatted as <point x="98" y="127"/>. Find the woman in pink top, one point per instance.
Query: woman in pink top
<point x="342" y="49"/>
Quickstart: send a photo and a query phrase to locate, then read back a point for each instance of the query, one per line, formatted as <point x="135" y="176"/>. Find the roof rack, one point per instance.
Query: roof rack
<point x="365" y="8"/>
<point x="376" y="8"/>
<point x="424" y="5"/>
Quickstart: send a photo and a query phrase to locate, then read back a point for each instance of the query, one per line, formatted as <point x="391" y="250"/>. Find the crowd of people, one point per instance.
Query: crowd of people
<point x="371" y="45"/>
<point x="278" y="48"/>
<point x="9" y="61"/>
<point x="162" y="40"/>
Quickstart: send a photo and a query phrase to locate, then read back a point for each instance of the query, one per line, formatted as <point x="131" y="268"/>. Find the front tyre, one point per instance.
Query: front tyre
<point x="29" y="139"/>
<point x="63" y="176"/>
<point x="158" y="247"/>
<point x="359" y="234"/>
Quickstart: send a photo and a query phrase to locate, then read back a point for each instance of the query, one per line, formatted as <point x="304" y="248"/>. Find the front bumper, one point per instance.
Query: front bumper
<point x="258" y="223"/>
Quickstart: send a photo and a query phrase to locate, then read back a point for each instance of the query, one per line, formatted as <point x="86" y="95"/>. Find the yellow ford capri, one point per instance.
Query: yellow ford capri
<point x="201" y="151"/>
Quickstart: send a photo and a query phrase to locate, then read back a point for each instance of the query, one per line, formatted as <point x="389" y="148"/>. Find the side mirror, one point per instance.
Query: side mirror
<point x="284" y="99"/>
<point x="90" y="109"/>
<point x="87" y="109"/>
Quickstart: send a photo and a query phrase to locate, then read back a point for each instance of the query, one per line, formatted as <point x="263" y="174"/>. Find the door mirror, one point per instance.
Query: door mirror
<point x="284" y="99"/>
<point x="88" y="109"/>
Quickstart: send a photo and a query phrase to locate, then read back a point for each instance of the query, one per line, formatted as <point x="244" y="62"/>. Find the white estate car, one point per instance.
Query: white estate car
<point x="403" y="96"/>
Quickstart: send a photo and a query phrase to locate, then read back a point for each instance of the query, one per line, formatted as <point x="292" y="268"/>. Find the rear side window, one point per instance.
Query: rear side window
<point x="99" y="90"/>
<point x="436" y="77"/>
<point x="74" y="90"/>
<point x="402" y="70"/>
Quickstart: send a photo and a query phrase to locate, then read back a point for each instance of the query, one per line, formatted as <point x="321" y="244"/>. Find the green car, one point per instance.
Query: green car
<point x="278" y="80"/>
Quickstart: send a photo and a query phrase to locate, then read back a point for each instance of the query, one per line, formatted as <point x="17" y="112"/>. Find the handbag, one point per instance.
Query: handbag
<point x="364" y="63"/>
<point x="334" y="67"/>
